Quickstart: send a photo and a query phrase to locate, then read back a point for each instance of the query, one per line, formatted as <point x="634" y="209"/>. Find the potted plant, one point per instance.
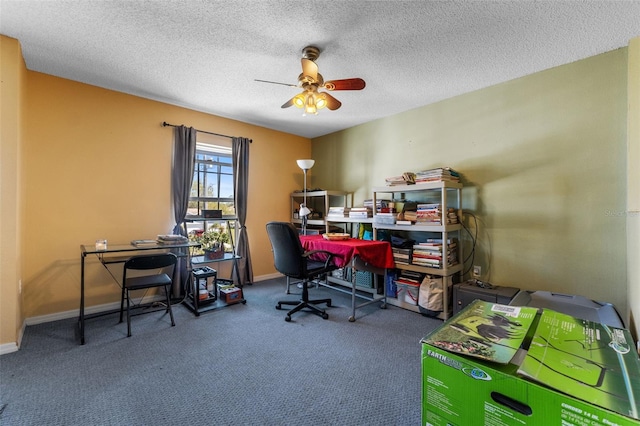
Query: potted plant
<point x="213" y="241"/>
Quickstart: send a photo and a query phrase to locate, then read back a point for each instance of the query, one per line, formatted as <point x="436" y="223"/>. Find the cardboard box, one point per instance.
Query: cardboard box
<point x="461" y="390"/>
<point x="574" y="305"/>
<point x="230" y="294"/>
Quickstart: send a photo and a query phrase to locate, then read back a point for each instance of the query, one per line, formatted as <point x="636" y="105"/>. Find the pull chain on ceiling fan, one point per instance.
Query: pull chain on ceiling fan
<point x="310" y="99"/>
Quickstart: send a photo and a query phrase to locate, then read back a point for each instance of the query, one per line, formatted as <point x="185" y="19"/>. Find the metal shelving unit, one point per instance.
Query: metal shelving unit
<point x="319" y="203"/>
<point x="198" y="263"/>
<point x="443" y="190"/>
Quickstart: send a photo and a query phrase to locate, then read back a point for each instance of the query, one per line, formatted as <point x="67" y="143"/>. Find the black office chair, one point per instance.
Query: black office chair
<point x="291" y="260"/>
<point x="145" y="263"/>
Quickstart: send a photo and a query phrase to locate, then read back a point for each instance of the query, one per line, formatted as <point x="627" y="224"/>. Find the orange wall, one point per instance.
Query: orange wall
<point x="98" y="165"/>
<point x="12" y="76"/>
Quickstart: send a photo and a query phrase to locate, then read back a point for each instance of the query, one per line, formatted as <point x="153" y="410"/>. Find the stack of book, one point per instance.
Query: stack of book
<point x="410" y="215"/>
<point x="144" y="243"/>
<point x="409" y="277"/>
<point x="407" y="178"/>
<point x="360" y="212"/>
<point x="338" y="212"/>
<point x="401" y="256"/>
<point x="429" y="213"/>
<point x="380" y="204"/>
<point x="434" y="254"/>
<point x="437" y="175"/>
<point x="172" y="239"/>
<point x="452" y="215"/>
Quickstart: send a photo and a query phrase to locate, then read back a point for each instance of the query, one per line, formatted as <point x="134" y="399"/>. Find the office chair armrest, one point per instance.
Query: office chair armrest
<point x="328" y="253"/>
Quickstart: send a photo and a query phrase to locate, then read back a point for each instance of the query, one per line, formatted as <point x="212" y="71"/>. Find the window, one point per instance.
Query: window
<point x="212" y="186"/>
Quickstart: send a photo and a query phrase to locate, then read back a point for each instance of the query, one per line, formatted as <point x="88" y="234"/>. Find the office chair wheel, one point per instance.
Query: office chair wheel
<point x="287" y="318"/>
<point x="352" y="318"/>
<point x="325" y="315"/>
<point x="328" y="304"/>
<point x="278" y="306"/>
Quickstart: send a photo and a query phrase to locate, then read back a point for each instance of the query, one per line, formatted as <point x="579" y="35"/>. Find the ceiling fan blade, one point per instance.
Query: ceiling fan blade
<point x="332" y="103"/>
<point x="287" y="104"/>
<point x="275" y="82"/>
<point x="310" y="69"/>
<point x="345" y="84"/>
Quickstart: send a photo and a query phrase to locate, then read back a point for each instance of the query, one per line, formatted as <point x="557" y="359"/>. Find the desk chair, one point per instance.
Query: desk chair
<point x="291" y="260"/>
<point x="145" y="263"/>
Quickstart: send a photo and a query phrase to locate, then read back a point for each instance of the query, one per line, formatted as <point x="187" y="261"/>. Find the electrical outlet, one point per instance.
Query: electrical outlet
<point x="477" y="271"/>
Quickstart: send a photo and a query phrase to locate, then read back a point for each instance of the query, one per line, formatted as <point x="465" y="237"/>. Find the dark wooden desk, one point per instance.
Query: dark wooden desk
<point x="371" y="256"/>
<point x="119" y="253"/>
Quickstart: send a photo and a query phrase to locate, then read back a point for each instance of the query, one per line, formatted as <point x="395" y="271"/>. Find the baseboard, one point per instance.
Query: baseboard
<point x="267" y="277"/>
<point x="111" y="306"/>
<point x="7" y="348"/>
<point x="74" y="313"/>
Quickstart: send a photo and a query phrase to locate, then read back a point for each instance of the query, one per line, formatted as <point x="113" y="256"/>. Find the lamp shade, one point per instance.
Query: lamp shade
<point x="304" y="211"/>
<point x="321" y="101"/>
<point x="298" y="100"/>
<point x="306" y="164"/>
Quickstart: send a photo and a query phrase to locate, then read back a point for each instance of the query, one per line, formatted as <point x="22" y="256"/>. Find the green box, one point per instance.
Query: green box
<point x="464" y="390"/>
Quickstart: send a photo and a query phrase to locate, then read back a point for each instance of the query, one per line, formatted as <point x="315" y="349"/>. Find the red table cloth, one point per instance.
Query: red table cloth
<point x="375" y="253"/>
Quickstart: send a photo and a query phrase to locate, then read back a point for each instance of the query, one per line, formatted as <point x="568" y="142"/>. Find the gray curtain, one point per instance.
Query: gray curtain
<point x="184" y="155"/>
<point x="240" y="155"/>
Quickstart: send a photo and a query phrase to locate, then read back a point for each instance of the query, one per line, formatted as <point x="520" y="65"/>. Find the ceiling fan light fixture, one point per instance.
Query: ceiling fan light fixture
<point x="310" y="80"/>
<point x="311" y="101"/>
<point x="310" y="106"/>
<point x="299" y="100"/>
<point x="321" y="101"/>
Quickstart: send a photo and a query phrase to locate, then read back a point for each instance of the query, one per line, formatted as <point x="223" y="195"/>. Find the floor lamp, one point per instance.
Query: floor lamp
<point x="304" y="210"/>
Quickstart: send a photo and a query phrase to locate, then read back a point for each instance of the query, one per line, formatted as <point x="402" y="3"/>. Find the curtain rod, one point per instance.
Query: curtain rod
<point x="165" y="124"/>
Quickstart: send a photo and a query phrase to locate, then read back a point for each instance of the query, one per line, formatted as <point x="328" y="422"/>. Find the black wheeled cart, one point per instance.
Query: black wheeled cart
<point x="203" y="292"/>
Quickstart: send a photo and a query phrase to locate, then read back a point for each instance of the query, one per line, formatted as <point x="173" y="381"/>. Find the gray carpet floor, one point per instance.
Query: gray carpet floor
<point x="240" y="365"/>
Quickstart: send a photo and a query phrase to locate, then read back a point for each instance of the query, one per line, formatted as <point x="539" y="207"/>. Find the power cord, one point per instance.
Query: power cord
<point x="474" y="239"/>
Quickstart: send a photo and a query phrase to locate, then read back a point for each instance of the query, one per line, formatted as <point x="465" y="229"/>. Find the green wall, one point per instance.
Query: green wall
<point x="544" y="164"/>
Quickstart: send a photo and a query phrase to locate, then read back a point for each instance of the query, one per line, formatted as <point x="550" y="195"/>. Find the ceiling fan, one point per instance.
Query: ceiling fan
<point x="310" y="99"/>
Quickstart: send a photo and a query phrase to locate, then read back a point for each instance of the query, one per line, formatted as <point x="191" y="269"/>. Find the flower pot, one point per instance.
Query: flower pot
<point x="213" y="254"/>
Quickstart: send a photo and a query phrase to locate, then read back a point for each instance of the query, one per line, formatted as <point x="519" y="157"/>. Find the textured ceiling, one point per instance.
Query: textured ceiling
<point x="205" y="55"/>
